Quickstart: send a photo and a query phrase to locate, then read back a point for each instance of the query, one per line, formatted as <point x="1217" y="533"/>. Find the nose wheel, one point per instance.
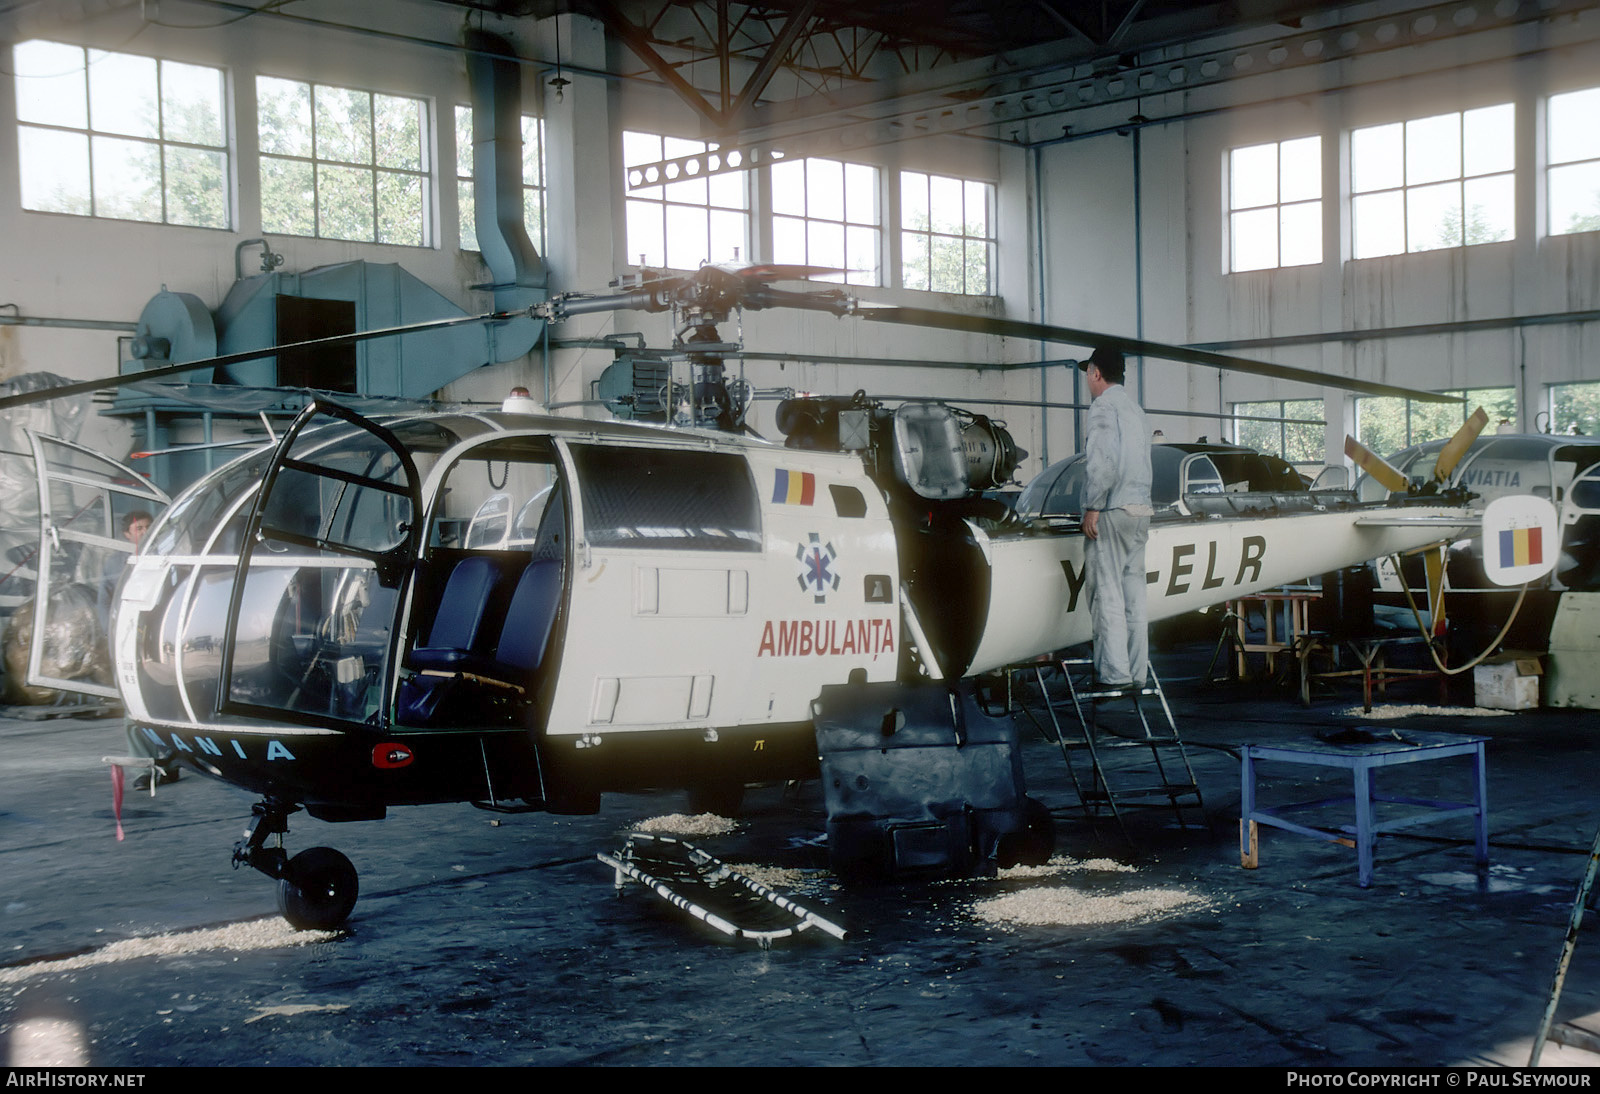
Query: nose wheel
<point x="316" y="889"/>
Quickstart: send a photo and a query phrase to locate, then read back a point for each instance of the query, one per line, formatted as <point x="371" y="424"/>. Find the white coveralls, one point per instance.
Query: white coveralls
<point x="1117" y="485"/>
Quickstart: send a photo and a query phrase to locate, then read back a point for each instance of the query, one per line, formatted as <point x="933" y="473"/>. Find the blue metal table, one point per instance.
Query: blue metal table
<point x="1363" y="759"/>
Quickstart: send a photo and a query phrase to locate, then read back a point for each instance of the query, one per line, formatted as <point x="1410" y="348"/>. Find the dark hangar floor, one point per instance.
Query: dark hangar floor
<point x="477" y="943"/>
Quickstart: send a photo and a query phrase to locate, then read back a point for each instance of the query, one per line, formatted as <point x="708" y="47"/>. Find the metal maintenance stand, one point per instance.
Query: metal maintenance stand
<point x="1108" y="722"/>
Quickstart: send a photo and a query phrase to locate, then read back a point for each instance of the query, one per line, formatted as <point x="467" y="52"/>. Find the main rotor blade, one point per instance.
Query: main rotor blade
<point x="1034" y="404"/>
<point x="1138" y="347"/>
<point x="1457" y="446"/>
<point x="1386" y="474"/>
<point x="84" y="387"/>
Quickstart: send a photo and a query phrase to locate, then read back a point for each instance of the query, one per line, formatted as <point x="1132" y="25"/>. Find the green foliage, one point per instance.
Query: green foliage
<point x="942" y="263"/>
<point x="1575" y="406"/>
<point x="1299" y="444"/>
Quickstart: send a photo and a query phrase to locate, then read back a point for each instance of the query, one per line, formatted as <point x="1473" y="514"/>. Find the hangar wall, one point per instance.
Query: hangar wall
<point x="1180" y="291"/>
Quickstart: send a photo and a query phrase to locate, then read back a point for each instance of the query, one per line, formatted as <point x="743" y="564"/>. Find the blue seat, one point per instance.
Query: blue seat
<point x="469" y="683"/>
<point x="530" y="618"/>
<point x="456" y="634"/>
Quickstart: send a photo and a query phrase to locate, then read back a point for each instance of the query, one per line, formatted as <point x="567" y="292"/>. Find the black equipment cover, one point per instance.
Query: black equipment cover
<point x="919" y="781"/>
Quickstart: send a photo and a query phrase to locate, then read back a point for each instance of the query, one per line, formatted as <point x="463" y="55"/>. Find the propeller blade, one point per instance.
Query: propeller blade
<point x="1451" y="453"/>
<point x="106" y="383"/>
<point x="1376" y="466"/>
<point x="1016" y="328"/>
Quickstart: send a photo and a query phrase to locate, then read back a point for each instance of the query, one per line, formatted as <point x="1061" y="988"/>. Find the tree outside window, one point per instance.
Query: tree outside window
<point x="338" y="163"/>
<point x="1575" y="407"/>
<point x="1573" y="149"/>
<point x="532" y="179"/>
<point x="117" y="135"/>
<point x="1444" y="181"/>
<point x="828" y="213"/>
<point x="947" y="236"/>
<point x="686" y="222"/>
<point x="1274" y="205"/>
<point x="1302" y="445"/>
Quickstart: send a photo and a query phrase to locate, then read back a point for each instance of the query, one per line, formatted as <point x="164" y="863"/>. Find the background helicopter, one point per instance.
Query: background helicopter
<point x="523" y="611"/>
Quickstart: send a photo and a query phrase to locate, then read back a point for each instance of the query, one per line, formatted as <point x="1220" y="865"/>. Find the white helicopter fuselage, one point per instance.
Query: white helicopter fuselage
<point x="709" y="587"/>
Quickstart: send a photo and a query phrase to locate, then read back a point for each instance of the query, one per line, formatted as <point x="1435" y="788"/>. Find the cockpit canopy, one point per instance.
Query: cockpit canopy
<point x="1185" y="478"/>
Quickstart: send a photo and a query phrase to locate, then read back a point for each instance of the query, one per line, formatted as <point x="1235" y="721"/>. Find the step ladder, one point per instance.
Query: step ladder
<point x="1110" y="724"/>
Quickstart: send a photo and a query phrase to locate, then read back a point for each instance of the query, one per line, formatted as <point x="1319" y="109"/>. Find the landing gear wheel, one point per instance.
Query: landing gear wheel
<point x="317" y="890"/>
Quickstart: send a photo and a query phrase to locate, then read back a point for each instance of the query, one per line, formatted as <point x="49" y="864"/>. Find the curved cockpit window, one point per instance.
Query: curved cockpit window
<point x="484" y="487"/>
<point x="491" y="522"/>
<point x="191" y="523"/>
<point x="1200" y="476"/>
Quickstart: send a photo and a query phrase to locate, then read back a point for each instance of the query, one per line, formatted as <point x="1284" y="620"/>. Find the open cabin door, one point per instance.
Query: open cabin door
<point x="86" y="506"/>
<point x="328" y="551"/>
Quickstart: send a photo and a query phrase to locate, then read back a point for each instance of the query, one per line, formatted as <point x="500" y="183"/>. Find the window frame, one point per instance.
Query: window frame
<point x="1555" y="168"/>
<point x="1236" y="211"/>
<point x="989" y="241"/>
<point x="1554" y="392"/>
<point x="163" y="144"/>
<point x="424" y="173"/>
<point x="845" y="221"/>
<point x="1407" y="190"/>
<point x="675" y="193"/>
<point x="1279" y="408"/>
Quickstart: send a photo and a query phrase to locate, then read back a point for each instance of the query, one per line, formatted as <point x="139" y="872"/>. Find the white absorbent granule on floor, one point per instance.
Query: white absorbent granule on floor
<point x="1068" y="907"/>
<point x="257" y="934"/>
<point x="681" y="824"/>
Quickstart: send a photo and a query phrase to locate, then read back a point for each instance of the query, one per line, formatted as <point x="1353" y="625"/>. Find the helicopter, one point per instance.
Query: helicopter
<point x="523" y="611"/>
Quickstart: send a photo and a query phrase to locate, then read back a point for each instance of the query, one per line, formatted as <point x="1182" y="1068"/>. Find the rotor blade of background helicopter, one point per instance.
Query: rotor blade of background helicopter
<point x="1387" y="475"/>
<point x="85" y="386"/>
<point x="979" y="400"/>
<point x="1016" y="328"/>
<point x="1457" y="446"/>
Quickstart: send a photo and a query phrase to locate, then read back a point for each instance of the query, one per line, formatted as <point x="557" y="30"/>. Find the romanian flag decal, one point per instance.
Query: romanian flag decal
<point x="794" y="488"/>
<point x="1521" y="547"/>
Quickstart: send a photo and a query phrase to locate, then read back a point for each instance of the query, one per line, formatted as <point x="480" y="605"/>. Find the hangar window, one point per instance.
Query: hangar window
<point x="532" y="178"/>
<point x="121" y="136"/>
<point x="1300" y="442"/>
<point x="1387" y="424"/>
<point x="827" y="213"/>
<point x="337" y="163"/>
<point x="1275" y="205"/>
<point x="1444" y="181"/>
<point x="947" y="234"/>
<point x="684" y="223"/>
<point x="1575" y="408"/>
<point x="1573" y="146"/>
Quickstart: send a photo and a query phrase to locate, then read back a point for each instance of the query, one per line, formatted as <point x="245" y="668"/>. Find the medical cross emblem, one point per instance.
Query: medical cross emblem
<point x="816" y="568"/>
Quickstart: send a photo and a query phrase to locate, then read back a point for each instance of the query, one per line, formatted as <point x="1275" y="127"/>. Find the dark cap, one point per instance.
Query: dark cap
<point x="1108" y="359"/>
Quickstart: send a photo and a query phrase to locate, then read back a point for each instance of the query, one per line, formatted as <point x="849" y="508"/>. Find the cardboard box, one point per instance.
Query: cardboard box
<point x="1508" y="681"/>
